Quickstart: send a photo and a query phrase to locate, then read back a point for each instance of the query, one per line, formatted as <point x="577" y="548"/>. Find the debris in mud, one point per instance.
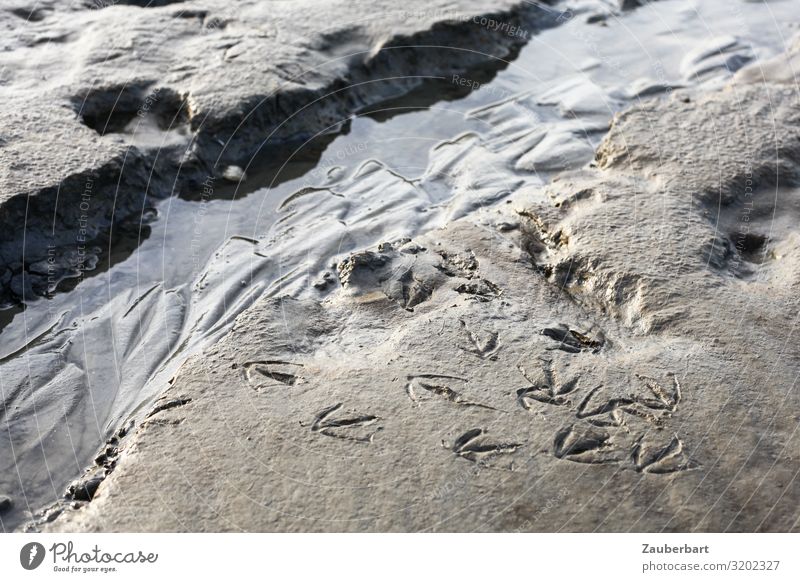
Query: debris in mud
<point x="458" y="264"/>
<point x="401" y="271"/>
<point x="350" y="268"/>
<point x="408" y="273"/>
<point x="5" y="503"/>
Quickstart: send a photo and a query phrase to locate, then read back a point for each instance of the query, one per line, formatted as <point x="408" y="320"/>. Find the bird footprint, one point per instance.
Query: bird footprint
<point x="346" y="428"/>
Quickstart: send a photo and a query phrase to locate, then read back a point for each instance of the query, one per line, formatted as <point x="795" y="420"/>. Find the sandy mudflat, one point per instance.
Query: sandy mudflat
<point x="118" y="113"/>
<point x="572" y="309"/>
<point x="606" y="354"/>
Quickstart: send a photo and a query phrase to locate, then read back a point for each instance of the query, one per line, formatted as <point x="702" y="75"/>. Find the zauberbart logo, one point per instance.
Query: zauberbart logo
<point x="31" y="555"/>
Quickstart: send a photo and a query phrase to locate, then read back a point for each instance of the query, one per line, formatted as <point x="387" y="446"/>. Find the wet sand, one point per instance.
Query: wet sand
<point x="548" y="331"/>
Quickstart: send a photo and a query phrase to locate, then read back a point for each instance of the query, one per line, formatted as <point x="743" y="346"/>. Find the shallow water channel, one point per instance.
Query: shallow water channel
<point x="76" y="366"/>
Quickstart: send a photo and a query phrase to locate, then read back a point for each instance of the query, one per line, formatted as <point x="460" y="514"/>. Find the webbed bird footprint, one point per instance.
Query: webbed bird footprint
<point x="473" y="446"/>
<point x="551" y="391"/>
<point x="597" y="404"/>
<point x="266" y="372"/>
<point x="347" y="428"/>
